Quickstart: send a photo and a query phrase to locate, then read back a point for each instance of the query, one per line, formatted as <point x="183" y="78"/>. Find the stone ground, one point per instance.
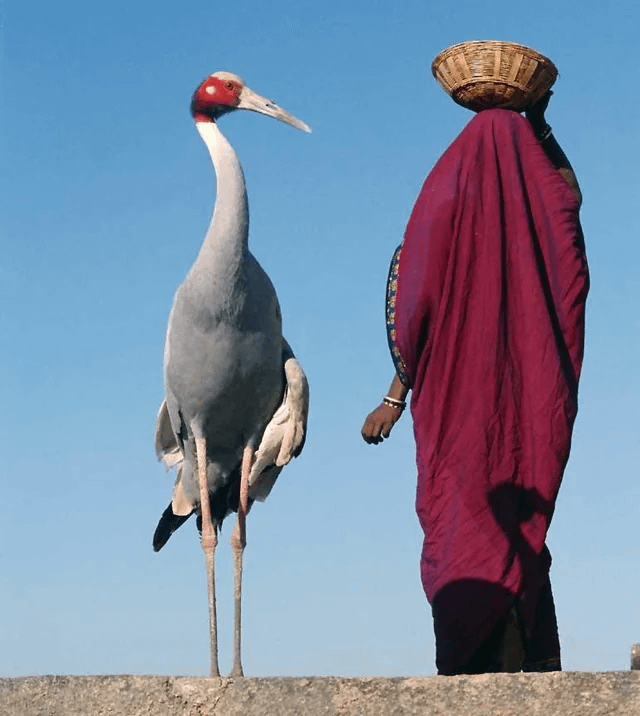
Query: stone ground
<point x="554" y="694"/>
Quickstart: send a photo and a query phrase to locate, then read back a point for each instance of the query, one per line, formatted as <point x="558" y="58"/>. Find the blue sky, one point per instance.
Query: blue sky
<point x="106" y="193"/>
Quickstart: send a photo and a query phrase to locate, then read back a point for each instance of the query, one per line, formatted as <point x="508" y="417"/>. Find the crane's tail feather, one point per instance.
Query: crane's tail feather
<point x="168" y="524"/>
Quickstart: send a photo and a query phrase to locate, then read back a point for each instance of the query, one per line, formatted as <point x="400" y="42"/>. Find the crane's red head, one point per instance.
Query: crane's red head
<point x="217" y="95"/>
<point x="223" y="92"/>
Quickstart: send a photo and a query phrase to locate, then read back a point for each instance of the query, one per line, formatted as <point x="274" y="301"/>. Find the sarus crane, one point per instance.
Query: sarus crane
<point x="236" y="398"/>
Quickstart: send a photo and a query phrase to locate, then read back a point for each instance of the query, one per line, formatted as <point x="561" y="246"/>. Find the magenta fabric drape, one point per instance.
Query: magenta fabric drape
<point x="488" y="324"/>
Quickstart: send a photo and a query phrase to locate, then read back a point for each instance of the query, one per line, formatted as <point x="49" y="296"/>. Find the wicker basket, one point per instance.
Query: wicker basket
<point x="483" y="74"/>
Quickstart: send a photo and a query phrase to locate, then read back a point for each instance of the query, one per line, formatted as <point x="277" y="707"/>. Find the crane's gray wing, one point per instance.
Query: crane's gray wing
<point x="285" y="434"/>
<point x="167" y="448"/>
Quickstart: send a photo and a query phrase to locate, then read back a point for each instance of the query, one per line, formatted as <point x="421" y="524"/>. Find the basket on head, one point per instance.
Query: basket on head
<point x="481" y="74"/>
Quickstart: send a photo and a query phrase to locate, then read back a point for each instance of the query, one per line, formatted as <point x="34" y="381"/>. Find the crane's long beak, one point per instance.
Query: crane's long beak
<point x="253" y="101"/>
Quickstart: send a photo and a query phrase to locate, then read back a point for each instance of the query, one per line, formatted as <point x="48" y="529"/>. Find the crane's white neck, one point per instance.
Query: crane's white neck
<point x="226" y="242"/>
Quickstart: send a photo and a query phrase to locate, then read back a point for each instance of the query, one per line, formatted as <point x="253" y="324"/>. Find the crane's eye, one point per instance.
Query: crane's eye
<point x="228" y="85"/>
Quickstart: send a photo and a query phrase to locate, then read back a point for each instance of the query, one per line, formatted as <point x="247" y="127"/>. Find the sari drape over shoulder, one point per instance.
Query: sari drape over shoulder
<point x="485" y="313"/>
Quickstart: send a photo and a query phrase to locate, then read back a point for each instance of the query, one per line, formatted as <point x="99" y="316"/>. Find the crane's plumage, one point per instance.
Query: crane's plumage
<point x="283" y="439"/>
<point x="236" y="398"/>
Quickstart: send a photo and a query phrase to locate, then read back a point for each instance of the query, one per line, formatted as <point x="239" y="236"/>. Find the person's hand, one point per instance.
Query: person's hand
<point x="535" y="113"/>
<point x="378" y="424"/>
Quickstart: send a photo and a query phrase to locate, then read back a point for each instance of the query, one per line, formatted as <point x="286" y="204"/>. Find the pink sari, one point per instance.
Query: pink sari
<point x="486" y="324"/>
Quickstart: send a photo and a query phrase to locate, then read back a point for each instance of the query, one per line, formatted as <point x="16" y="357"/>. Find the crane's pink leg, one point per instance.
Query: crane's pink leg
<point x="238" y="543"/>
<point x="209" y="541"/>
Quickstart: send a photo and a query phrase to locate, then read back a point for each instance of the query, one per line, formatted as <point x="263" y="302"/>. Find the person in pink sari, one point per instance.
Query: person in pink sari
<point x="485" y="318"/>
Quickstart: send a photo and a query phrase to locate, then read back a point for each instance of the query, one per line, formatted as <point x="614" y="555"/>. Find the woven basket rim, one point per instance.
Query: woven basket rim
<point x="492" y="44"/>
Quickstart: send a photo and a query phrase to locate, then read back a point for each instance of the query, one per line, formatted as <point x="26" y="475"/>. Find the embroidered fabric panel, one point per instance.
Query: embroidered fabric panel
<point x="392" y="290"/>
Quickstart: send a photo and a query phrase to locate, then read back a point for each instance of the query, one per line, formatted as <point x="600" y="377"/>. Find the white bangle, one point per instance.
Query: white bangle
<point x="394" y="403"/>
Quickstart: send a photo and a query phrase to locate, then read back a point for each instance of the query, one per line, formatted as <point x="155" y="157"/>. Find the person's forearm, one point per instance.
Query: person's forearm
<point x="559" y="160"/>
<point x="536" y="116"/>
<point x="397" y="390"/>
<point x="556" y="155"/>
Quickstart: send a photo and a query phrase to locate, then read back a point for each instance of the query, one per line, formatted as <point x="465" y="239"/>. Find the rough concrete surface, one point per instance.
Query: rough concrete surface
<point x="554" y="694"/>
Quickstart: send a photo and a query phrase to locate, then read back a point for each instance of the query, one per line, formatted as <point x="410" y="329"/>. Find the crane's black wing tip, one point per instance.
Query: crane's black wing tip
<point x="167" y="525"/>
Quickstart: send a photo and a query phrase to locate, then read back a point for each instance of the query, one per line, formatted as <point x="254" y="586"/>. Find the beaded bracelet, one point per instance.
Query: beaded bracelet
<point x="546" y="133"/>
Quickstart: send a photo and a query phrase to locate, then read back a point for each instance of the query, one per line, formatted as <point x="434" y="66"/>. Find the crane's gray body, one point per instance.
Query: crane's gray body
<point x="223" y="370"/>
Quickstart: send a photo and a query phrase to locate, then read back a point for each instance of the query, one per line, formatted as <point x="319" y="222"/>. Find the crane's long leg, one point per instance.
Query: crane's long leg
<point x="238" y="543"/>
<point x="209" y="541"/>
